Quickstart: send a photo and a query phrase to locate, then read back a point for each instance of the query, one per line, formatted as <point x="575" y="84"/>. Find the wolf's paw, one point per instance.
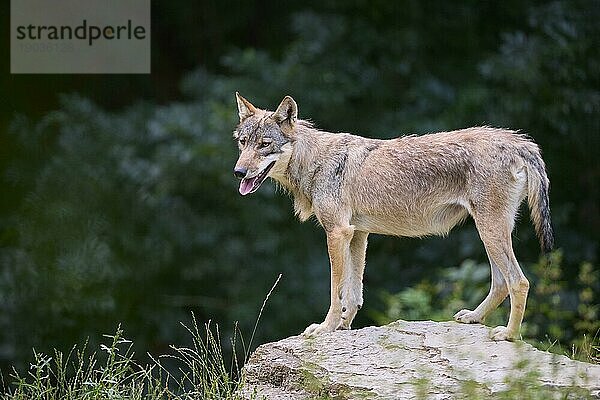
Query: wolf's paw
<point x="317" y="329"/>
<point x="502" y="333"/>
<point x="468" y="317"/>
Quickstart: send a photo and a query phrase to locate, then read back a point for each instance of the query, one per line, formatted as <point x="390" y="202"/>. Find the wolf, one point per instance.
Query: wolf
<point x="409" y="186"/>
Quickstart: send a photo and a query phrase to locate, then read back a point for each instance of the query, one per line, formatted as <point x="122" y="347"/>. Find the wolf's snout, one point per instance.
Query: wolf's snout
<point x="240" y="172"/>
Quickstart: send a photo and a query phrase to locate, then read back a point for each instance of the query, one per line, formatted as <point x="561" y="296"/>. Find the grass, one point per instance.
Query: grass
<point x="111" y="372"/>
<point x="586" y="349"/>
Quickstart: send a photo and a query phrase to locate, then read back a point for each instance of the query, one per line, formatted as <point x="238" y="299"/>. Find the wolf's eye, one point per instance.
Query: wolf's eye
<point x="242" y="142"/>
<point x="265" y="144"/>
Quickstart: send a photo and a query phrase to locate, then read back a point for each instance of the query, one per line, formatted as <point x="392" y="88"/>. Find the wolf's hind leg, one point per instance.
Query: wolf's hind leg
<point x="497" y="241"/>
<point x="338" y="246"/>
<point x="352" y="281"/>
<point x="497" y="294"/>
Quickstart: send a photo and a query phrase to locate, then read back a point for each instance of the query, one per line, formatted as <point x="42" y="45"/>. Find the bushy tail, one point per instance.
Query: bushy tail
<point x="537" y="197"/>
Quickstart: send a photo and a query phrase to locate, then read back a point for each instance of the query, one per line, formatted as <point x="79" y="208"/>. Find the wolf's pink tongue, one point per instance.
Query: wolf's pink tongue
<point x="246" y="185"/>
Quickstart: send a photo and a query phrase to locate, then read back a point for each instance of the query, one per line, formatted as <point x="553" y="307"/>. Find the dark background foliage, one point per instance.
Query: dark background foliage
<point x="118" y="204"/>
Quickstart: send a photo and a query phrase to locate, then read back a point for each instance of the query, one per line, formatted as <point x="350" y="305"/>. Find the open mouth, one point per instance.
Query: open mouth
<point x="251" y="185"/>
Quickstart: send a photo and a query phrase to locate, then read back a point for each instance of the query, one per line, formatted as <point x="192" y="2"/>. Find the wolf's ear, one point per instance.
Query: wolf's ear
<point x="287" y="112"/>
<point x="245" y="108"/>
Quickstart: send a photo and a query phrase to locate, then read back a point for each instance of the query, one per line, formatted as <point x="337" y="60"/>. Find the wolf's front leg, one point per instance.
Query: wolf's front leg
<point x="352" y="282"/>
<point x="338" y="246"/>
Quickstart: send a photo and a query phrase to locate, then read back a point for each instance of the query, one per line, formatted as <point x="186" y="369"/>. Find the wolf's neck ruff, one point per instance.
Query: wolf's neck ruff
<point x="303" y="165"/>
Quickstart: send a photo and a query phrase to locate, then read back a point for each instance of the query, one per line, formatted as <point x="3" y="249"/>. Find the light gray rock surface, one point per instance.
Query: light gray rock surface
<point x="406" y="360"/>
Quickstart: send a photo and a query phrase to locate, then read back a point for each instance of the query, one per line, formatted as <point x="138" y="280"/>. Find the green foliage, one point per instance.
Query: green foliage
<point x="588" y="306"/>
<point x="134" y="217"/>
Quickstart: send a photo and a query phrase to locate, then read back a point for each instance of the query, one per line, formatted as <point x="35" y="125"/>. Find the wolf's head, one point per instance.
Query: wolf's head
<point x="264" y="139"/>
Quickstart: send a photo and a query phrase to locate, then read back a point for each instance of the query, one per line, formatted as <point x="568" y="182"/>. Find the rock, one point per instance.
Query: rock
<point x="406" y="360"/>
